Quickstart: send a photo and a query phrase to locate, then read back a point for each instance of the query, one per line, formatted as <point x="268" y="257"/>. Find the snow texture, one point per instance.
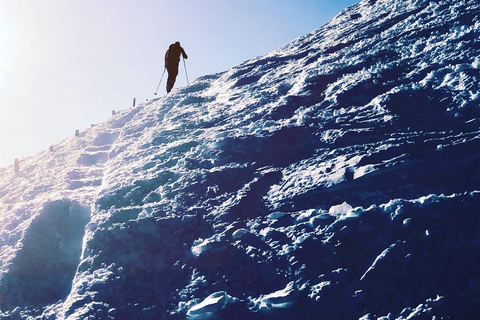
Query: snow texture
<point x="334" y="178"/>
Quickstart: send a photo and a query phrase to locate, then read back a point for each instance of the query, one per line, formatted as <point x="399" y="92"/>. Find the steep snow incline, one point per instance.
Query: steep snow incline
<point x="45" y="208"/>
<point x="336" y="177"/>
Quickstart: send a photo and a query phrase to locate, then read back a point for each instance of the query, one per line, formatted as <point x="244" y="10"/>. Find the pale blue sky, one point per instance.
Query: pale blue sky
<point x="66" y="64"/>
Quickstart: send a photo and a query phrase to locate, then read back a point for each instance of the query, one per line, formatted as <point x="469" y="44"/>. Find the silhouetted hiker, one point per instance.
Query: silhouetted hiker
<point x="172" y="59"/>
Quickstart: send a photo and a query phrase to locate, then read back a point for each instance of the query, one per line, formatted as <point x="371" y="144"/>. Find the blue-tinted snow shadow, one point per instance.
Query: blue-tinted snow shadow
<point x="43" y="270"/>
<point x="149" y="256"/>
<point x="281" y="148"/>
<point x="420" y="168"/>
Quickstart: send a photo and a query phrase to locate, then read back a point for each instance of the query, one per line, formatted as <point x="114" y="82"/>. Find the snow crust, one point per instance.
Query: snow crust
<point x="336" y="177"/>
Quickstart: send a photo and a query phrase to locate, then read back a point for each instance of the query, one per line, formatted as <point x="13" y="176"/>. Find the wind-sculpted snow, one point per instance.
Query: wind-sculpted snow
<point x="334" y="178"/>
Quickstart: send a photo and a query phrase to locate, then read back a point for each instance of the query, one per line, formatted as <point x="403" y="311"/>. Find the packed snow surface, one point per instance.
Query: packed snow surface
<point x="334" y="178"/>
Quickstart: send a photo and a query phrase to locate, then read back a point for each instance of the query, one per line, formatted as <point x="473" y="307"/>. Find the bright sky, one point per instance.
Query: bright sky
<point x="66" y="64"/>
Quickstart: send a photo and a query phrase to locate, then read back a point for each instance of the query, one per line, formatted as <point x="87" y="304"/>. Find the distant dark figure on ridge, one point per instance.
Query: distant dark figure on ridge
<point x="172" y="59"/>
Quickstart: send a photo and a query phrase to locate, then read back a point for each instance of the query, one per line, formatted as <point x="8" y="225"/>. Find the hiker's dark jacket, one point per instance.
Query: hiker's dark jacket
<point x="172" y="56"/>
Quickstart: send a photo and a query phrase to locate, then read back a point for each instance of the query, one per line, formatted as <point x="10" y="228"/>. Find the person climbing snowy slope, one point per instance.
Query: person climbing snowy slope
<point x="172" y="59"/>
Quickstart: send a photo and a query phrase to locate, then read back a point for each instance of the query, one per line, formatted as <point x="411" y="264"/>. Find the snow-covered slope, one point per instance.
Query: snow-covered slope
<point x="334" y="178"/>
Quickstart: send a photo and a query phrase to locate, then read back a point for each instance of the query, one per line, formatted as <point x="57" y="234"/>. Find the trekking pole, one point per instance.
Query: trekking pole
<point x="185" y="66"/>
<point x="160" y="80"/>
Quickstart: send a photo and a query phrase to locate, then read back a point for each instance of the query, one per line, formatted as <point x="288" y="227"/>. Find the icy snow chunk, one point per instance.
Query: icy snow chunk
<point x="343" y="208"/>
<point x="343" y="211"/>
<point x="306" y="215"/>
<point x="427" y="200"/>
<point x="266" y="231"/>
<point x="145" y="213"/>
<point x="317" y="288"/>
<point x="275" y="215"/>
<point x="364" y="170"/>
<point x="279" y="299"/>
<point x="393" y="207"/>
<point x="239" y="233"/>
<point x="200" y="245"/>
<point x="214" y="302"/>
